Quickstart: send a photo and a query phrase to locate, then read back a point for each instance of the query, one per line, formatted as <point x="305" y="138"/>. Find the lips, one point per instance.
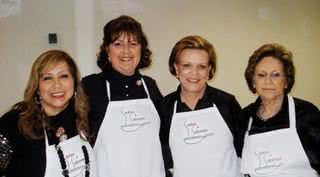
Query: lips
<point x="125" y="58"/>
<point x="58" y="95"/>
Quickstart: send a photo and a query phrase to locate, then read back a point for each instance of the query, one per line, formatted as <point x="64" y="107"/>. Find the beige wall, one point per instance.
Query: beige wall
<point x="234" y="27"/>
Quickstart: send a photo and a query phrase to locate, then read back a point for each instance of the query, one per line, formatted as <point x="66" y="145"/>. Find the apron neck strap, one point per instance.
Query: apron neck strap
<point x="292" y="112"/>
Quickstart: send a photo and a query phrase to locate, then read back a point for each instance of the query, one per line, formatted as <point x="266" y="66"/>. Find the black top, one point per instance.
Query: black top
<point x="227" y="105"/>
<point x="29" y="156"/>
<point x="121" y="88"/>
<point x="307" y="124"/>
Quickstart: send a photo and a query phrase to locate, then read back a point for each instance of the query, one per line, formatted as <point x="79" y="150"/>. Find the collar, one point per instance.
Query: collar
<point x="111" y="74"/>
<point x="203" y="102"/>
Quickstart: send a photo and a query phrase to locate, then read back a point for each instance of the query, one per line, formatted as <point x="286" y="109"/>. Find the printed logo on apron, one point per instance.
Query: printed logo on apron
<point x="195" y="132"/>
<point x="133" y="120"/>
<point x="268" y="162"/>
<point x="75" y="164"/>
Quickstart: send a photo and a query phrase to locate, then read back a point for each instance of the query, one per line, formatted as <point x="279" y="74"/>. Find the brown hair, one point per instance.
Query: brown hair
<point x="193" y="42"/>
<point x="32" y="119"/>
<point x="278" y="52"/>
<point x="113" y="30"/>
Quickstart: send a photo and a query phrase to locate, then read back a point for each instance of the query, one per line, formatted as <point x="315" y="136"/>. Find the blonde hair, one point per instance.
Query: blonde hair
<point x="193" y="42"/>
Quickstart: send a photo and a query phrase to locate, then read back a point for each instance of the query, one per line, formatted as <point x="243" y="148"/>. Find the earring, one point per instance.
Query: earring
<point x="37" y="99"/>
<point x="75" y="94"/>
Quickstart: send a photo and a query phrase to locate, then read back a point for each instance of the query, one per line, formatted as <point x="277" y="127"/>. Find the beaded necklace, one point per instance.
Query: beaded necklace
<point x="65" y="171"/>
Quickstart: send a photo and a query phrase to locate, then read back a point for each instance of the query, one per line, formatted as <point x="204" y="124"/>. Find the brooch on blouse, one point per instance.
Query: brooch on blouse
<point x="60" y="133"/>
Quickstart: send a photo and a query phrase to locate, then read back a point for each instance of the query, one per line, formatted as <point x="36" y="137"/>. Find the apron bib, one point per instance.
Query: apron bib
<point x="277" y="153"/>
<point x="128" y="143"/>
<point x="202" y="144"/>
<point x="74" y="158"/>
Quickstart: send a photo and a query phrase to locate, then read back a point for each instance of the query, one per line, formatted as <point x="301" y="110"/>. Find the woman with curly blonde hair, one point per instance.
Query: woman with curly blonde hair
<point x="46" y="133"/>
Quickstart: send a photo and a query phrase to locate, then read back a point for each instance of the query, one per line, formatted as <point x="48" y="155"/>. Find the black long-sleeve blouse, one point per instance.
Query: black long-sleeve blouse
<point x="307" y="124"/>
<point x="121" y="88"/>
<point x="29" y="156"/>
<point x="228" y="107"/>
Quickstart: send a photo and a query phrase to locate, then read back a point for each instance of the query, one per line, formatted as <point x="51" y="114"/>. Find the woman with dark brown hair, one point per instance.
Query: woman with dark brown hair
<point x="124" y="104"/>
<point x="46" y="133"/>
<point x="282" y="137"/>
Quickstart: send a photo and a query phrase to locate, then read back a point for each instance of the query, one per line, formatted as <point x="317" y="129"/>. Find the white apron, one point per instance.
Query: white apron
<point x="202" y="144"/>
<point x="277" y="153"/>
<point x="73" y="155"/>
<point x="128" y="143"/>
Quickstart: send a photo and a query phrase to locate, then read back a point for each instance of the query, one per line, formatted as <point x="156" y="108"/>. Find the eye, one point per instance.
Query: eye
<point x="260" y="75"/>
<point x="203" y="66"/>
<point x="186" y="65"/>
<point x="134" y="43"/>
<point x="117" y="44"/>
<point x="46" y="78"/>
<point x="276" y="75"/>
<point x="65" y="76"/>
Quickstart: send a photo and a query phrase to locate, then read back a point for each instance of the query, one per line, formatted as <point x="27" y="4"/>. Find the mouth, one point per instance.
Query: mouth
<point x="193" y="80"/>
<point x="268" y="89"/>
<point x="58" y="95"/>
<point x="126" y="58"/>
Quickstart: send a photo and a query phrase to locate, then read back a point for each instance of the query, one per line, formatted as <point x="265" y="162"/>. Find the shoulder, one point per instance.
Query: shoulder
<point x="304" y="105"/>
<point x="170" y="98"/>
<point x="306" y="110"/>
<point x="93" y="84"/>
<point x="10" y="119"/>
<point x="149" y="81"/>
<point x="9" y="125"/>
<point x="92" y="78"/>
<point x="221" y="97"/>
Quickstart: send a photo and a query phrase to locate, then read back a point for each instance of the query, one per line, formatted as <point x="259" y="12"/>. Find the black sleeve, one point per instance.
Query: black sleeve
<point x="95" y="88"/>
<point x="308" y="125"/>
<point x="235" y="111"/>
<point x="154" y="92"/>
<point x="6" y="129"/>
<point x="166" y="117"/>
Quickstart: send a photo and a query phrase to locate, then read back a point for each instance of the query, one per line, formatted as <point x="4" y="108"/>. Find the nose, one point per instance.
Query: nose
<point x="268" y="79"/>
<point x="126" y="48"/>
<point x="194" y="71"/>
<point x="57" y="83"/>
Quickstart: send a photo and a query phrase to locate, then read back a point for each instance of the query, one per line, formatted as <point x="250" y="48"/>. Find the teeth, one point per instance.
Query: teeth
<point x="57" y="94"/>
<point x="125" y="58"/>
<point x="193" y="80"/>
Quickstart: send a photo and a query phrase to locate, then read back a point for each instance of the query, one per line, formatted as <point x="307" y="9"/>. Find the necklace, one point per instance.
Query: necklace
<point x="259" y="113"/>
<point x="265" y="118"/>
<point x="65" y="171"/>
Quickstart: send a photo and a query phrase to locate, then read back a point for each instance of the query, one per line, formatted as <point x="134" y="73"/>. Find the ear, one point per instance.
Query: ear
<point x="107" y="50"/>
<point x="176" y="68"/>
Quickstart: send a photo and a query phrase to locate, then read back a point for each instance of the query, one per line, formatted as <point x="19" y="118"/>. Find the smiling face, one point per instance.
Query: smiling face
<point x="192" y="69"/>
<point x="269" y="79"/>
<point x="56" y="88"/>
<point x="124" y="54"/>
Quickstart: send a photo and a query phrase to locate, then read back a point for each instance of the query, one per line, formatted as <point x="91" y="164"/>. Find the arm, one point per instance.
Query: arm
<point x="7" y="128"/>
<point x="235" y="112"/>
<point x="166" y="116"/>
<point x="154" y="92"/>
<point x="95" y="88"/>
<point x="313" y="133"/>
